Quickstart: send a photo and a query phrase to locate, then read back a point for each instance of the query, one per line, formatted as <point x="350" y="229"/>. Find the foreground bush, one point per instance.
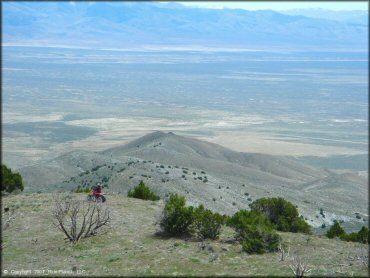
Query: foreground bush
<point x="177" y="218"/>
<point x="143" y="192"/>
<point x="207" y="224"/>
<point x="10" y="181"/>
<point x="282" y="213"/>
<point x="78" y="219"/>
<point x="255" y="232"/>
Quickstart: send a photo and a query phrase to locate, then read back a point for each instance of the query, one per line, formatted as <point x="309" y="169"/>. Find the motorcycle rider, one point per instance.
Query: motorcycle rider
<point x="96" y="193"/>
<point x="98" y="188"/>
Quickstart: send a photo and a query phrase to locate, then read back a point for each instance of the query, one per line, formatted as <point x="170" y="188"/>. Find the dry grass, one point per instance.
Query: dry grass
<point x="131" y="247"/>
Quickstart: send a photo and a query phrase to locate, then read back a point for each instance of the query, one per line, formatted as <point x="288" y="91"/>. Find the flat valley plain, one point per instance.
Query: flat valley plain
<point x="310" y="105"/>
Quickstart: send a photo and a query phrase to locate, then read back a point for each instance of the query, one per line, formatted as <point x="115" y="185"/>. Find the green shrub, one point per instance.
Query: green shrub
<point x="362" y="236"/>
<point x="82" y="190"/>
<point x="349" y="237"/>
<point x="10" y="181"/>
<point x="96" y="168"/>
<point x="207" y="224"/>
<point x="282" y="213"/>
<point x="335" y="231"/>
<point x="177" y="218"/>
<point x="142" y="191"/>
<point x="105" y="179"/>
<point x="225" y="218"/>
<point x="300" y="226"/>
<point x="322" y="212"/>
<point x="254" y="231"/>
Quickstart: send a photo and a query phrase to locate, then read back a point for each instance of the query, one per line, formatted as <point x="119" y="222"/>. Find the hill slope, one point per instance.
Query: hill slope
<point x="130" y="247"/>
<point x="61" y="168"/>
<point x="206" y="173"/>
<point x="171" y="148"/>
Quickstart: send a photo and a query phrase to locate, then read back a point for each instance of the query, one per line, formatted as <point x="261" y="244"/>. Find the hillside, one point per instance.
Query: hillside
<point x="171" y="148"/>
<point x="63" y="167"/>
<point x="206" y="173"/>
<point x="131" y="248"/>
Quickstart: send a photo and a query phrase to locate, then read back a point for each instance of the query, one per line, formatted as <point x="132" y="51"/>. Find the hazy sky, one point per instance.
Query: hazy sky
<point x="283" y="5"/>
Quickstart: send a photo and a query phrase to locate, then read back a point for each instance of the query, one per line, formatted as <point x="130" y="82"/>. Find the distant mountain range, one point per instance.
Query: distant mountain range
<point x="354" y="17"/>
<point x="158" y="25"/>
<point x="206" y="173"/>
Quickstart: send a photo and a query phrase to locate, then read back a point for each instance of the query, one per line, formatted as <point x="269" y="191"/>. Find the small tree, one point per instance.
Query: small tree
<point x="141" y="191"/>
<point x="176" y="218"/>
<point x="282" y="213"/>
<point x="10" y="181"/>
<point x="78" y="219"/>
<point x="255" y="232"/>
<point x="206" y="223"/>
<point x="335" y="231"/>
<point x="363" y="235"/>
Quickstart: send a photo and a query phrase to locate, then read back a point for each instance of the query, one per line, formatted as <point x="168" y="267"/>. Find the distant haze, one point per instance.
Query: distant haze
<point x="147" y="25"/>
<point x="283" y="5"/>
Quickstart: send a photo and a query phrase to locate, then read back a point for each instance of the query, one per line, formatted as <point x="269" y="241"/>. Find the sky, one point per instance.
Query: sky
<point x="284" y="5"/>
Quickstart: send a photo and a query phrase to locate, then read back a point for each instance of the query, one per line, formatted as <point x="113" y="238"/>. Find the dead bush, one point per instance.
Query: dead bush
<point x="79" y="219"/>
<point x="299" y="267"/>
<point x="8" y="217"/>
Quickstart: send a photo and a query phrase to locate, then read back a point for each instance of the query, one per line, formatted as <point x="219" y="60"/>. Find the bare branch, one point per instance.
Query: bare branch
<point x="299" y="267"/>
<point x="7" y="218"/>
<point x="77" y="219"/>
